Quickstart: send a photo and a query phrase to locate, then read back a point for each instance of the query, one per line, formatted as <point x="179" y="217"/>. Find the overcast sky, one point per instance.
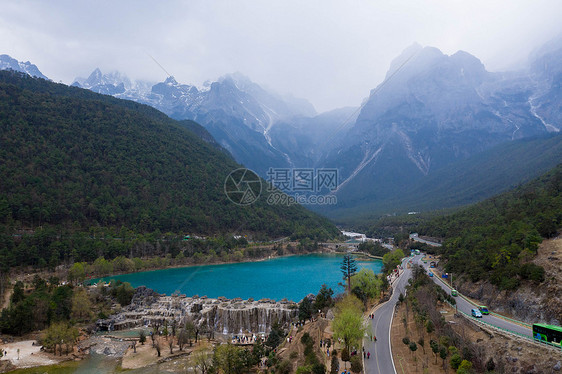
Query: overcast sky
<point x="329" y="52"/>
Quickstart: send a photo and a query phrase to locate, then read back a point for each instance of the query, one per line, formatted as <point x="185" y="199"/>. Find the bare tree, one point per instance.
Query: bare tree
<point x="157" y="346"/>
<point x="190" y="330"/>
<point x="197" y="330"/>
<point x="155" y="328"/>
<point x="210" y="332"/>
<point x="171" y="344"/>
<point x="174" y="327"/>
<point x="205" y="329"/>
<point x="183" y="338"/>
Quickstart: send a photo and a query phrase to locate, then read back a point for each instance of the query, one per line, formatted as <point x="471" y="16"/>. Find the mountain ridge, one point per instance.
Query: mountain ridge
<point x="432" y="111"/>
<point x="236" y="111"/>
<point x="9" y="63"/>
<point x="74" y="160"/>
<point x="463" y="182"/>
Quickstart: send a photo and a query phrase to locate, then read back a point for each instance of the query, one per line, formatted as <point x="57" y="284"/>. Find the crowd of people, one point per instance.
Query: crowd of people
<point x="244" y="339"/>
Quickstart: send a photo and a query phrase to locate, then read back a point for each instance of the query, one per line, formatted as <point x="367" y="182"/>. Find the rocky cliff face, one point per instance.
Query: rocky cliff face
<point x="531" y="302"/>
<point x="432" y="110"/>
<point x="221" y="315"/>
<point x="546" y="72"/>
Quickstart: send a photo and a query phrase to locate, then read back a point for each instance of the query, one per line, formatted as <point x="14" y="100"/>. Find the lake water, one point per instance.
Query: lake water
<point x="291" y="277"/>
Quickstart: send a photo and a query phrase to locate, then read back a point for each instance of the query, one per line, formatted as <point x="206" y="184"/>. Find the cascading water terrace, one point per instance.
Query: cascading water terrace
<point x="221" y="315"/>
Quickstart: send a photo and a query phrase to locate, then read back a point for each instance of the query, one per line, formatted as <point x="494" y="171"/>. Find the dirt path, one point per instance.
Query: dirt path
<point x="146" y="355"/>
<point x="6" y="299"/>
<point x="29" y="355"/>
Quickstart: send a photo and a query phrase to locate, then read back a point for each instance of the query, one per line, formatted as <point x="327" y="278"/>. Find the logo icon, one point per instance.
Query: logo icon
<point x="242" y="186"/>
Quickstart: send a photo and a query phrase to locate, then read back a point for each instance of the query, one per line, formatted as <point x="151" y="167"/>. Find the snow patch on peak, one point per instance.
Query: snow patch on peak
<point x="206" y="86"/>
<point x="368" y="157"/>
<point x="171" y="81"/>
<point x="95" y="74"/>
<point x="9" y="63"/>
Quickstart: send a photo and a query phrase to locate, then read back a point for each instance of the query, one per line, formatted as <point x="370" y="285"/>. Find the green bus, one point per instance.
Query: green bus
<point x="454" y="292"/>
<point x="548" y="333"/>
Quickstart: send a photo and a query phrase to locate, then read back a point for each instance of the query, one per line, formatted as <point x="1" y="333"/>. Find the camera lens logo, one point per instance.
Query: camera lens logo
<point x="242" y="186"/>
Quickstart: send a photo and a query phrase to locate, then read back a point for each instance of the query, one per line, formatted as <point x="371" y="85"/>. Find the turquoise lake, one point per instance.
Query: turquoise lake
<point x="291" y="277"/>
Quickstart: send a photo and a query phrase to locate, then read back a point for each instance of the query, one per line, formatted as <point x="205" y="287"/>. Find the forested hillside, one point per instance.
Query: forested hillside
<point x="495" y="239"/>
<point x="86" y="175"/>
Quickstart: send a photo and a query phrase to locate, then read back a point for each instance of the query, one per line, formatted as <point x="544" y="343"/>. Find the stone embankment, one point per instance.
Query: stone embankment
<point x="222" y="315"/>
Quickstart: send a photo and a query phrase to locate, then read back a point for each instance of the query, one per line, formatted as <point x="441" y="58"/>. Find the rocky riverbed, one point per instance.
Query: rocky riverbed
<point x="222" y="315"/>
<point x="106" y="346"/>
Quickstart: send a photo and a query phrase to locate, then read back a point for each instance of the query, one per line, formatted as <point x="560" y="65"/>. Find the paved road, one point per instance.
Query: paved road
<point x="418" y="239"/>
<point x="465" y="306"/>
<point x="381" y="357"/>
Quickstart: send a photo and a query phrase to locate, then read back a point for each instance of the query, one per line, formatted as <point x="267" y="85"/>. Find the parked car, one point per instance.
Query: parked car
<point x="483" y="309"/>
<point x="430" y="274"/>
<point x="476" y="313"/>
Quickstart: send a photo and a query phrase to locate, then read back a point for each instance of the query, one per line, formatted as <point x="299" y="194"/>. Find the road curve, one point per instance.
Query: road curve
<point x="465" y="306"/>
<point x="381" y="361"/>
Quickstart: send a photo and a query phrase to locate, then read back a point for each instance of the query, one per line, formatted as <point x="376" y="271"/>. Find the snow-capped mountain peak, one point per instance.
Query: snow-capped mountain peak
<point x="171" y="81"/>
<point x="114" y="83"/>
<point x="9" y="63"/>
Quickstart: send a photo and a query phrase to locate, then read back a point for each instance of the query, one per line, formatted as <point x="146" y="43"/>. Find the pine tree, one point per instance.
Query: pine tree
<point x="348" y="268"/>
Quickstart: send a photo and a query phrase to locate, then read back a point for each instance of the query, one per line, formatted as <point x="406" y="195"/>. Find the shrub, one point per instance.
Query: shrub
<point x="465" y="367"/>
<point x="455" y="361"/>
<point x="356" y="365"/>
<point x="532" y="272"/>
<point x="304" y="370"/>
<point x="490" y="365"/>
<point x="319" y="368"/>
<point x="284" y="367"/>
<point x="413" y="346"/>
<point x="306" y="339"/>
<point x="345" y="355"/>
<point x="123" y="292"/>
